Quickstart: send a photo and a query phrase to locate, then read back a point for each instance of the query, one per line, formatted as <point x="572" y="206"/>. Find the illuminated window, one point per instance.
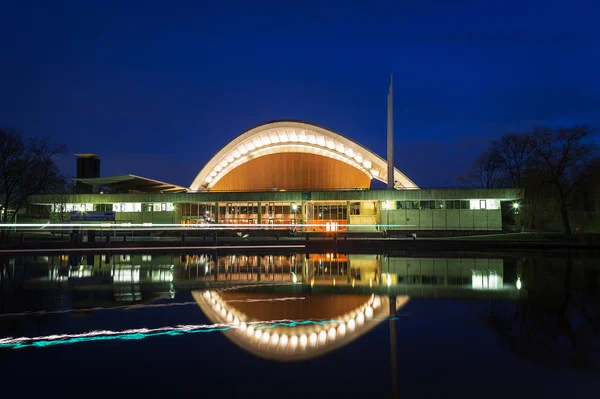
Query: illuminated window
<point x="482" y="204"/>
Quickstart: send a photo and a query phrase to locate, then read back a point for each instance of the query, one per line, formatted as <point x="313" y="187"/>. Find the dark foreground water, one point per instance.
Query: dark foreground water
<point x="295" y="325"/>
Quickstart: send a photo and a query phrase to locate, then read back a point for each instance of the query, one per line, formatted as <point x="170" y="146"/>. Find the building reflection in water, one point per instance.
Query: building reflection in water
<point x="340" y="269"/>
<point x="141" y="277"/>
<point x="311" y="326"/>
<point x="125" y="274"/>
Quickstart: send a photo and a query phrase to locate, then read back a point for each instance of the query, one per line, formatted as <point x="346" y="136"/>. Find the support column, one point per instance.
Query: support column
<point x="259" y="213"/>
<point x="347" y="215"/>
<point x="259" y="264"/>
<point x="303" y="212"/>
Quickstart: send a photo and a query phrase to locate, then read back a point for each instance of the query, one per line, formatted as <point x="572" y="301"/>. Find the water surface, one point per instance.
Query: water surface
<point x="384" y="325"/>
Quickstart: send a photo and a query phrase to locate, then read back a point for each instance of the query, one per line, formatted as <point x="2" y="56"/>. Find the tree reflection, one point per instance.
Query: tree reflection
<point x="556" y="322"/>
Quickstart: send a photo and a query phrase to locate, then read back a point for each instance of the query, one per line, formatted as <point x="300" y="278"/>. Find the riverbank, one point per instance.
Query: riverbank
<point x="344" y="244"/>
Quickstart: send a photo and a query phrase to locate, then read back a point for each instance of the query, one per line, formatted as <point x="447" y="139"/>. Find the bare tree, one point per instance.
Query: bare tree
<point x="26" y="167"/>
<point x="58" y="209"/>
<point x="513" y="154"/>
<point x="485" y="171"/>
<point x="562" y="158"/>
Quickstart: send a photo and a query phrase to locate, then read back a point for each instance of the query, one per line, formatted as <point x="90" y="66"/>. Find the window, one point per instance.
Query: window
<point x="482" y="204"/>
<point x="427" y="204"/>
<point x="103" y="207"/>
<point x="163" y="207"/>
<point x="355" y="208"/>
<point x="412" y="205"/>
<point x="439" y="204"/>
<point x="229" y="209"/>
<point x="449" y="204"/>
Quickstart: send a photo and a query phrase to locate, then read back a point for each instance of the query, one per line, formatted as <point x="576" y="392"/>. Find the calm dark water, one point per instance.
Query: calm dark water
<point x="161" y="324"/>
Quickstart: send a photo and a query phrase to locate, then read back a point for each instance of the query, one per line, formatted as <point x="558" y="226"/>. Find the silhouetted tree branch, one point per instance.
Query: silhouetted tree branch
<point x="26" y="167"/>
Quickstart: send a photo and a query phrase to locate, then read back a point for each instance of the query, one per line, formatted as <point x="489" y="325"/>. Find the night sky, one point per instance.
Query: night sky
<point x="157" y="88"/>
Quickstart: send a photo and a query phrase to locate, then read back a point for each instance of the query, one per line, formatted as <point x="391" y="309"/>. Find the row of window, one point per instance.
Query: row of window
<point x="327" y="212"/>
<point x="446" y="204"/>
<point x="118" y="207"/>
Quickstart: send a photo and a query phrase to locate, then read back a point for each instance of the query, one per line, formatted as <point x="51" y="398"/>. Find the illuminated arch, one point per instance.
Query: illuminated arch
<point x="299" y="137"/>
<point x="302" y="341"/>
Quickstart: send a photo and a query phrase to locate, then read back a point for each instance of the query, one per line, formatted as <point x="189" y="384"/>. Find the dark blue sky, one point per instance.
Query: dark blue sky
<point x="156" y="88"/>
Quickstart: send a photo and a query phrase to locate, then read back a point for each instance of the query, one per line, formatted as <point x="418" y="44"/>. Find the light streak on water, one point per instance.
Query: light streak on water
<point x="141" y="333"/>
<point x="139" y="306"/>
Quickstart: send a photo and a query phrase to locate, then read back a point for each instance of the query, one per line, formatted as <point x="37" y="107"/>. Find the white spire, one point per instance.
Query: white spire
<point x="390" y="136"/>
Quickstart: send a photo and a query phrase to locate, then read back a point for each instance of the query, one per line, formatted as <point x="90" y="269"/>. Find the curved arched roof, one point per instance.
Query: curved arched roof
<point x="294" y="136"/>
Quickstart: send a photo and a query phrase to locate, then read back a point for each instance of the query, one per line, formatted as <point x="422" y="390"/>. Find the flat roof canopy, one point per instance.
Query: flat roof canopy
<point x="133" y="182"/>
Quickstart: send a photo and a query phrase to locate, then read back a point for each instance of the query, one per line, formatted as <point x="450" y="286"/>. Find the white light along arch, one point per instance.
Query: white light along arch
<point x="294" y="136"/>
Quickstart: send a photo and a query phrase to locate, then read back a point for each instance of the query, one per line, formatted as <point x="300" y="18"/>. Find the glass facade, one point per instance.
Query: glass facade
<point x="327" y="216"/>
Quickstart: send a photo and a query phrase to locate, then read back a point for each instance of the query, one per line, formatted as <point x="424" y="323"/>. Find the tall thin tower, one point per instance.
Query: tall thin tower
<point x="390" y="136"/>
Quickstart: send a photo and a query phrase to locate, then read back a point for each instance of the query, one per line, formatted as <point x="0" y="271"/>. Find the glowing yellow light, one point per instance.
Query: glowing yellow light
<point x="322" y="337"/>
<point x="371" y="282"/>
<point x="351" y="325"/>
<point x="274" y="339"/>
<point x="265" y="338"/>
<point x="293" y="341"/>
<point x="360" y="319"/>
<point x="283" y="340"/>
<point x="331" y="334"/>
<point x="303" y="340"/>
<point x="341" y="330"/>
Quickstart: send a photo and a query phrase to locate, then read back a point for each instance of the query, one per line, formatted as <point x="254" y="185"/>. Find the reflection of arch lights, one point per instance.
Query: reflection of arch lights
<point x="303" y="340"/>
<point x="293" y="136"/>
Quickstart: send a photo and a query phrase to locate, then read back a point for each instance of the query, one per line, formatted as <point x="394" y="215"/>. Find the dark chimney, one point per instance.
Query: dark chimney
<point x="88" y="167"/>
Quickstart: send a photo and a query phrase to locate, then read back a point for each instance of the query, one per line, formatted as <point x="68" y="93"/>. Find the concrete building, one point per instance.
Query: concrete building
<point x="288" y="174"/>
